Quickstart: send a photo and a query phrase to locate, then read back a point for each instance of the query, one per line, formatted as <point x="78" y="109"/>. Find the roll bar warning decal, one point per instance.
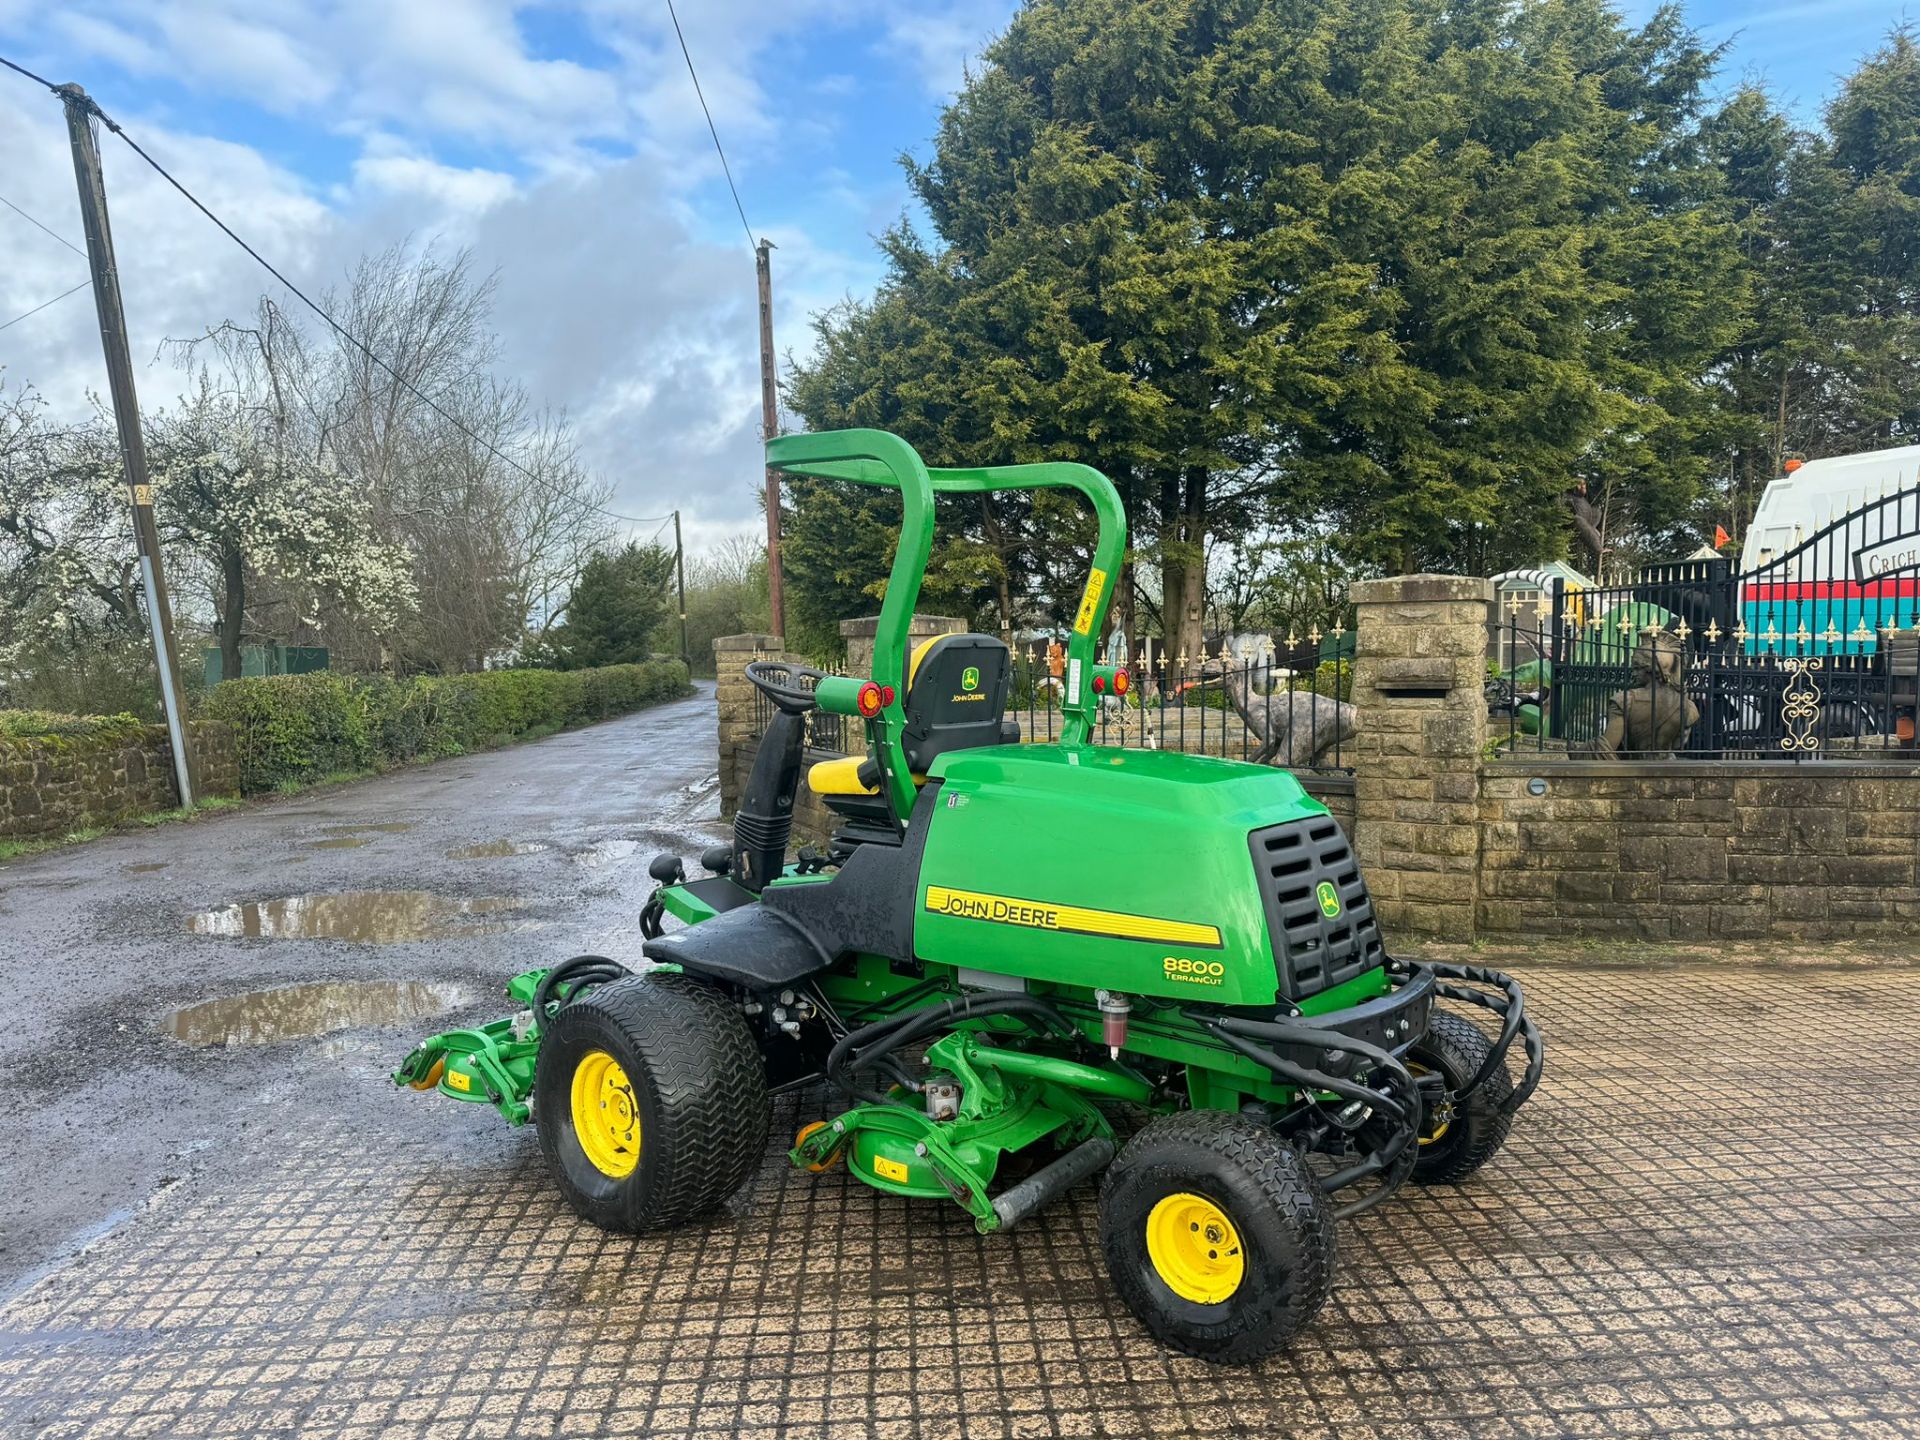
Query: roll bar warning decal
<point x="1090" y="600"/>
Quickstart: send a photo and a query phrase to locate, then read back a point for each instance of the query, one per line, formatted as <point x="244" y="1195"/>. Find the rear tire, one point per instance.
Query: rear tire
<point x="650" y="1097"/>
<point x="1217" y="1236"/>
<point x="1457" y="1139"/>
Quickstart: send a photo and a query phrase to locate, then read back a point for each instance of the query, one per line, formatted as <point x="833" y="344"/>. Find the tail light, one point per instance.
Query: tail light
<point x="870" y="700"/>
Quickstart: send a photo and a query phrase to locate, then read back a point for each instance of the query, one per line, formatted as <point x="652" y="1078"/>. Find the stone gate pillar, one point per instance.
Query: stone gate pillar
<point x="858" y="635"/>
<point x="1419" y="677"/>
<point x="735" y="702"/>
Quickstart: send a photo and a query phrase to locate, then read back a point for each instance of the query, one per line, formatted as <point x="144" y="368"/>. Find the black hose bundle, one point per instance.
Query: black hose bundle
<point x="870" y="1045"/>
<point x="1397" y="1101"/>
<point x="577" y="974"/>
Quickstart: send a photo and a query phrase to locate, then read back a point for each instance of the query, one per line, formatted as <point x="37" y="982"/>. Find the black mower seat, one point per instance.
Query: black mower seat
<point x="751" y="946"/>
<point x="956" y="700"/>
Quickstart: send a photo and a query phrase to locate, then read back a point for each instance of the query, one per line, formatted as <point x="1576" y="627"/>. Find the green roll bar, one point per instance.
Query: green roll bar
<point x="875" y="457"/>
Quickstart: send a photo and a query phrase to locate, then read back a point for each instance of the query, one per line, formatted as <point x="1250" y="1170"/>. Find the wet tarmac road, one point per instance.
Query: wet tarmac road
<point x="109" y="1112"/>
<point x="1707" y="1223"/>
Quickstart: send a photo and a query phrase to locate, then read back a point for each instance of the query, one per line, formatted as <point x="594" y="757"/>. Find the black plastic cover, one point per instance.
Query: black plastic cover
<point x="1314" y="950"/>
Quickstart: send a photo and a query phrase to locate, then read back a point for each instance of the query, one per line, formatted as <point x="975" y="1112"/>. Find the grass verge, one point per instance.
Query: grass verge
<point x="15" y="849"/>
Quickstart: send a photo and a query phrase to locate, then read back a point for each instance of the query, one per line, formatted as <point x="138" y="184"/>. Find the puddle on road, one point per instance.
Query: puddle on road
<point x="369" y="915"/>
<point x="498" y="849"/>
<point x="384" y="827"/>
<point x="148" y="868"/>
<point x="292" y="1012"/>
<point x="341" y="842"/>
<point x="606" y="852"/>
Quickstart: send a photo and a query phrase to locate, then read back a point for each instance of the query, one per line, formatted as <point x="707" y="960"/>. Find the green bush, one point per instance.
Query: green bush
<point x="297" y="728"/>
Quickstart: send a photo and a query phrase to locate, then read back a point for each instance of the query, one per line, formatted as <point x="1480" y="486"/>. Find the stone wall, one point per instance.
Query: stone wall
<point x="54" y="785"/>
<point x="1333" y="791"/>
<point x="1459" y="847"/>
<point x="1674" y="850"/>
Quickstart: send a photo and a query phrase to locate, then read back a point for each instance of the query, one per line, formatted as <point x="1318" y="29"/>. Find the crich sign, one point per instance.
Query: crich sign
<point x="1883" y="558"/>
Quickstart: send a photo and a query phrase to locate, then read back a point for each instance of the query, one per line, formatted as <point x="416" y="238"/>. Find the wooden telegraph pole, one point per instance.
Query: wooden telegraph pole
<point x="769" y="427"/>
<point x="680" y="577"/>
<point x="126" y="413"/>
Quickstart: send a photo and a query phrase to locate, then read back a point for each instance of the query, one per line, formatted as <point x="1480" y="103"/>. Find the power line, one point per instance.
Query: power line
<point x="54" y="233"/>
<point x="725" y="168"/>
<point x="100" y="115"/>
<point x="26" y="72"/>
<point x="55" y="301"/>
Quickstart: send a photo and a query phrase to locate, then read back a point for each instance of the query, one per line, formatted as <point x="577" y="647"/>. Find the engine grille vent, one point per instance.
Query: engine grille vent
<point x="1302" y="865"/>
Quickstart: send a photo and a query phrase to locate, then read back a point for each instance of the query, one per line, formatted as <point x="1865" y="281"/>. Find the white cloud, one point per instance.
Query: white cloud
<point x="940" y="40"/>
<point x="620" y="299"/>
<point x="391" y="169"/>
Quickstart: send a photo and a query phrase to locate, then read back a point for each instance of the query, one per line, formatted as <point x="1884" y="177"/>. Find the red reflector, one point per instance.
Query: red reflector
<point x="1099" y="684"/>
<point x="869" y="699"/>
<point x="886" y="694"/>
<point x="1122" y="681"/>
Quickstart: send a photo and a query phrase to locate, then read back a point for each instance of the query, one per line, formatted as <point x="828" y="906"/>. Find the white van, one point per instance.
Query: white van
<point x="1860" y="576"/>
<point x="1800" y="504"/>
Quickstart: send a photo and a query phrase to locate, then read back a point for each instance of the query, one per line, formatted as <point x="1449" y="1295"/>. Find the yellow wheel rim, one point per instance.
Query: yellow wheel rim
<point x="1432" y="1132"/>
<point x="1195" y="1249"/>
<point x="606" y="1117"/>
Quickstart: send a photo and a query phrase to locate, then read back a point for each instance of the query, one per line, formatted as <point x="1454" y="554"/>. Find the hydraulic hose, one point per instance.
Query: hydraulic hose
<point x="866" y="1047"/>
<point x="1399" y="1102"/>
<point x="577" y="974"/>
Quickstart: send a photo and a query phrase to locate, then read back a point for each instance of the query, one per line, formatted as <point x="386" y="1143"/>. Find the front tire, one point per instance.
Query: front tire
<point x="1217" y="1236"/>
<point x="1457" y="1138"/>
<point x="650" y="1097"/>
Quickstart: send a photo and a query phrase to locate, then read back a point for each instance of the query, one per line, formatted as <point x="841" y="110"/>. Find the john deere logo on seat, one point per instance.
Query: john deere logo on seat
<point x="1329" y="899"/>
<point x="970" y="678"/>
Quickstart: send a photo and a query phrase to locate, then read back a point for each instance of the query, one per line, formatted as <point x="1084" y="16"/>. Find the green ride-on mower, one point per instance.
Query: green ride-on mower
<point x="1008" y="957"/>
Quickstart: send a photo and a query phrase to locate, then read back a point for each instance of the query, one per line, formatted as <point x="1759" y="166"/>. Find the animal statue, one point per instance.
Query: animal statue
<point x="1655" y="717"/>
<point x="1297" y="725"/>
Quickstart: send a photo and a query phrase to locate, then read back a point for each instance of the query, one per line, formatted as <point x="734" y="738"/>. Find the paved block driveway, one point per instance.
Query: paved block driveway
<point x="1707" y="1223"/>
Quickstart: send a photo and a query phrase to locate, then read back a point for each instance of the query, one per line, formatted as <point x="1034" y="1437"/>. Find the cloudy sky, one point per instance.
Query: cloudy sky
<point x="563" y="143"/>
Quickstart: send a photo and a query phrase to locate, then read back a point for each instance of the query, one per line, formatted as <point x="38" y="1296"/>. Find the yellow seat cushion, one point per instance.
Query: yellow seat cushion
<point x="839" y="777"/>
<point x="842" y="777"/>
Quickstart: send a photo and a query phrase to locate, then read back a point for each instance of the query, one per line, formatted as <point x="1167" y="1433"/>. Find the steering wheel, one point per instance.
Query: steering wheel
<point x="776" y="679"/>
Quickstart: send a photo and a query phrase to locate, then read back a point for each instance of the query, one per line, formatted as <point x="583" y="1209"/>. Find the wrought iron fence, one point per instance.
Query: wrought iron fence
<point x="1594" y="686"/>
<point x="1285" y="708"/>
<point x="1812" y="652"/>
<point x="1290" y="709"/>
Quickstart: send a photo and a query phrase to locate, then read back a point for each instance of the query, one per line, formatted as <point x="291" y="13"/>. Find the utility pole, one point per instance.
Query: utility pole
<point x="126" y="413"/>
<point x="769" y="427"/>
<point x="680" y="575"/>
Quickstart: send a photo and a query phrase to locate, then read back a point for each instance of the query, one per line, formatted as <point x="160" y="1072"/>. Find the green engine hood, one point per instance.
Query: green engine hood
<point x="1101" y="867"/>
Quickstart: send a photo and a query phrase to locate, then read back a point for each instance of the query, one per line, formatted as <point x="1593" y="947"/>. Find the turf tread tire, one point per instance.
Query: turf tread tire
<point x="1274" y="1201"/>
<point x="1457" y="1048"/>
<point x="702" y="1091"/>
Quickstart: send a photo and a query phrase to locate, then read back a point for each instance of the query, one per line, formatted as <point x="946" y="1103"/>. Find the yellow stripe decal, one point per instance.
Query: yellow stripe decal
<point x="1044" y="915"/>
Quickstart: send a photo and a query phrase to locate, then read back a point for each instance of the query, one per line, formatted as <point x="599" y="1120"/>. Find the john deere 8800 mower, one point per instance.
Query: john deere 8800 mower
<point x="1011" y="955"/>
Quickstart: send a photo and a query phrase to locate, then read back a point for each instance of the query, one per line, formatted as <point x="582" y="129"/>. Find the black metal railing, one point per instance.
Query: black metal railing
<point x="1287" y="708"/>
<point x="1630" y="675"/>
<point x="1810" y="652"/>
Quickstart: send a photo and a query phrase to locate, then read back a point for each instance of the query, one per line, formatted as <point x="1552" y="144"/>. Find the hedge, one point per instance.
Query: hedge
<point x="294" y="728"/>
